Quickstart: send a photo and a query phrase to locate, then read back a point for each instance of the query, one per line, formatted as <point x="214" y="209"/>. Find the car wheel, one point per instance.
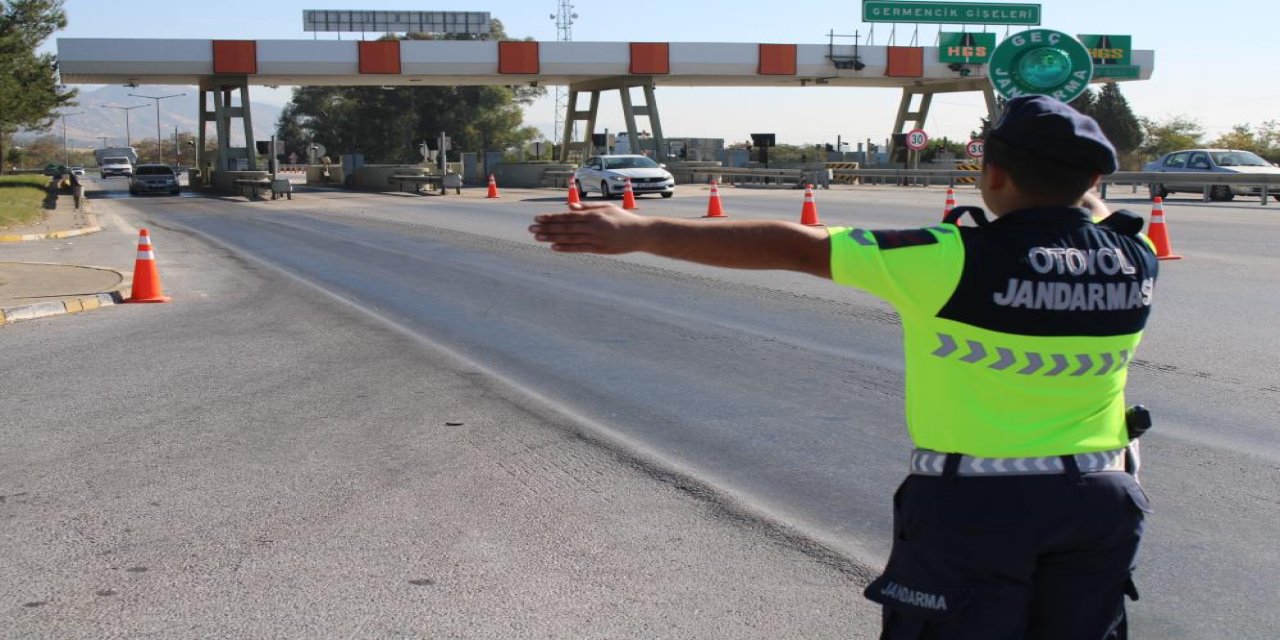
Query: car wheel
<point x="604" y="190"/>
<point x="1158" y="191"/>
<point x="1221" y="193"/>
<point x="582" y="192"/>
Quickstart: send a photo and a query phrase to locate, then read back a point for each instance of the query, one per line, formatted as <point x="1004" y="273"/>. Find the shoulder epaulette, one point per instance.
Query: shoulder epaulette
<point x="1123" y="222"/>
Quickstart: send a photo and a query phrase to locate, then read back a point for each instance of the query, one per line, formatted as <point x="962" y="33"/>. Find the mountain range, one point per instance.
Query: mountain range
<point x="93" y="120"/>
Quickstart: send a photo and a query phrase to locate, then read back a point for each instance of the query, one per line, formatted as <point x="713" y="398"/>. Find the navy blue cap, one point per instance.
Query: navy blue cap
<point x="1052" y="129"/>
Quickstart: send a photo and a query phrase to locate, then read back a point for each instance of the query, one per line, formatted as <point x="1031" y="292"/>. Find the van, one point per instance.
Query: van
<point x="116" y="166"/>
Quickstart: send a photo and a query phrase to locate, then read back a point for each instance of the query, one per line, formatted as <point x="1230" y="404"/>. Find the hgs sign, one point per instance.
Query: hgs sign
<point x="1040" y="62"/>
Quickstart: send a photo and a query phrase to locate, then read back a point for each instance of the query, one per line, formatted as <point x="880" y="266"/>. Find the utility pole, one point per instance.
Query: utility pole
<point x="159" y="140"/>
<point x="128" y="136"/>
<point x="564" y="18"/>
<point x="66" y="156"/>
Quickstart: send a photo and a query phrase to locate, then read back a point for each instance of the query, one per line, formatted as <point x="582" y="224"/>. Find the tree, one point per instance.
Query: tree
<point x="1117" y="120"/>
<point x="388" y="124"/>
<point x="1240" y="137"/>
<point x="1085" y="102"/>
<point x="1170" y="134"/>
<point x="30" y="92"/>
<point x="984" y="124"/>
<point x="942" y="145"/>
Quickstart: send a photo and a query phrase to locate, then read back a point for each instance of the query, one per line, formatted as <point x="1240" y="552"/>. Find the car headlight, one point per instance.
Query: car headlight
<point x="618" y="178"/>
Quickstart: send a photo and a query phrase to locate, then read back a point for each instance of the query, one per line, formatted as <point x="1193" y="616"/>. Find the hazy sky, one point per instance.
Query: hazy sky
<point x="1209" y="65"/>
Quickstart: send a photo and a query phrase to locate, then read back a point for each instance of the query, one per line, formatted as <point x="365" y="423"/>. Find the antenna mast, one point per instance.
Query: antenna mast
<point x="564" y="18"/>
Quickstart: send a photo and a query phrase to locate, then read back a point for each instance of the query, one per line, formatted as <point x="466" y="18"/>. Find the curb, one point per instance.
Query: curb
<point x="59" y="307"/>
<point x="52" y="235"/>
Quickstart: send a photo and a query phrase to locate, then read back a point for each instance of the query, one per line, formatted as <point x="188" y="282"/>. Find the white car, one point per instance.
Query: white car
<point x="1210" y="162"/>
<point x="115" y="166"/>
<point x="607" y="176"/>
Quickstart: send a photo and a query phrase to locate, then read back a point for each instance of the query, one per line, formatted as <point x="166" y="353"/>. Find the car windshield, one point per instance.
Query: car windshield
<point x="154" y="170"/>
<point x="1237" y="159"/>
<point x="116" y="161"/>
<point x="629" y="162"/>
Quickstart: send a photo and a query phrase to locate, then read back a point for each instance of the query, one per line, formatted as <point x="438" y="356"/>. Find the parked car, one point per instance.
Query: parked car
<point x="152" y="178"/>
<point x="77" y="171"/>
<point x="607" y="175"/>
<point x="115" y="166"/>
<point x="1210" y="161"/>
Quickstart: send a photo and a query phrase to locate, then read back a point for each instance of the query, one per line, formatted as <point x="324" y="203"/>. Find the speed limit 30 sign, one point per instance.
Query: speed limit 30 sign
<point x="975" y="148"/>
<point x="917" y="139"/>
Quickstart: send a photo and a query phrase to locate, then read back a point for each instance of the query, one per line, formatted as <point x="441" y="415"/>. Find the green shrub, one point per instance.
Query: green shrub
<point x="22" y="199"/>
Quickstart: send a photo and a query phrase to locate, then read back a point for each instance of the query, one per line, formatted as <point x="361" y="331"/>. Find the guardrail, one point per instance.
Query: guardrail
<point x="1267" y="183"/>
<point x="556" y="178"/>
<point x="790" y="178"/>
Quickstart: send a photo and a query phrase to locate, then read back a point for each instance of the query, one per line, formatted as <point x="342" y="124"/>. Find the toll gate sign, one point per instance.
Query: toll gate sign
<point x="1040" y="62"/>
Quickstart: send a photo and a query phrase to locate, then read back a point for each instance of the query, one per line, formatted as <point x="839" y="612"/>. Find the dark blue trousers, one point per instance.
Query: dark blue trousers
<point x="1047" y="557"/>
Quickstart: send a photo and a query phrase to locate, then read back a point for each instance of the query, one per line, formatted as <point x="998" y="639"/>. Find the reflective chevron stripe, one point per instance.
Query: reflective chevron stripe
<point x="931" y="463"/>
<point x="862" y="237"/>
<point x="1052" y="364"/>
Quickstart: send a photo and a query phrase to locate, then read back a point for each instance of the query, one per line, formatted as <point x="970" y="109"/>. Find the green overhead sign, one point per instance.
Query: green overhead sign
<point x="1040" y="61"/>
<point x="1117" y="71"/>
<point x="965" y="48"/>
<point x="950" y="12"/>
<point x="1109" y="50"/>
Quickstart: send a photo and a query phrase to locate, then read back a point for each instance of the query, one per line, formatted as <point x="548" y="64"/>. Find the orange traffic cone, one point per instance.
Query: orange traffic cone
<point x="629" y="197"/>
<point x="951" y="202"/>
<point x="146" y="279"/>
<point x="1159" y="234"/>
<point x="714" y="210"/>
<point x="573" y="194"/>
<point x="809" y="213"/>
<point x="493" y="187"/>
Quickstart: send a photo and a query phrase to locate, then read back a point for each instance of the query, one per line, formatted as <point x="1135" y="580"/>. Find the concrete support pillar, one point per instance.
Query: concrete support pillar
<point x="622" y="84"/>
<point x="918" y="114"/>
<point x="221" y="90"/>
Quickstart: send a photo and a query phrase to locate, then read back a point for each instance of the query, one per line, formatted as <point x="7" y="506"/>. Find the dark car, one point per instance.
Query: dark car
<point x="1209" y="162"/>
<point x="153" y="178"/>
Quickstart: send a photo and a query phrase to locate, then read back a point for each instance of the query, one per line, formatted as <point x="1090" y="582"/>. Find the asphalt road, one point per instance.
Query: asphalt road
<point x="783" y="392"/>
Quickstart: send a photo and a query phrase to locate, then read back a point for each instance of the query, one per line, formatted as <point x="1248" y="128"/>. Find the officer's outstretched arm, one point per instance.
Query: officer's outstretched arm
<point x="738" y="244"/>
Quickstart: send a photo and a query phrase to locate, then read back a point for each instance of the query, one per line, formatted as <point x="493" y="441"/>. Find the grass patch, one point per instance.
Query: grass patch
<point x="21" y="199"/>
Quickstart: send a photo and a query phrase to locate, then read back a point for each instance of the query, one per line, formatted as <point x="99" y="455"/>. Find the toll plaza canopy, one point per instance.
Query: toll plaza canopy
<point x="452" y="62"/>
<point x="220" y="67"/>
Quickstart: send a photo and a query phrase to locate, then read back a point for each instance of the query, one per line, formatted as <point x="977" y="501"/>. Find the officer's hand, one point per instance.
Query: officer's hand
<point x="591" y="228"/>
<point x="1097" y="208"/>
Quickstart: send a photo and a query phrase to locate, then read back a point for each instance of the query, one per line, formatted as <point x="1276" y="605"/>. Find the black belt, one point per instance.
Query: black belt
<point x="933" y="463"/>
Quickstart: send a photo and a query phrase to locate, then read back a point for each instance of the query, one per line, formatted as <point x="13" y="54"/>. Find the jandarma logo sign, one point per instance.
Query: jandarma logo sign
<point x="1040" y="62"/>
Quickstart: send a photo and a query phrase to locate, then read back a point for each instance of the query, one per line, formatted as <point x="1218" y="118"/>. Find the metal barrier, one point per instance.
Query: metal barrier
<point x="790" y="178"/>
<point x="556" y="178"/>
<point x="1267" y="183"/>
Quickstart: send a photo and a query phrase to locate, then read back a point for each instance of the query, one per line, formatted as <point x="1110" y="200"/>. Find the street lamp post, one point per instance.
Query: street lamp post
<point x="66" y="156"/>
<point x="159" y="140"/>
<point x="128" y="136"/>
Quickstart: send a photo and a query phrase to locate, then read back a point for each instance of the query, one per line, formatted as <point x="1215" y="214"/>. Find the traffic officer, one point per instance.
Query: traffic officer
<point x="1018" y="518"/>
